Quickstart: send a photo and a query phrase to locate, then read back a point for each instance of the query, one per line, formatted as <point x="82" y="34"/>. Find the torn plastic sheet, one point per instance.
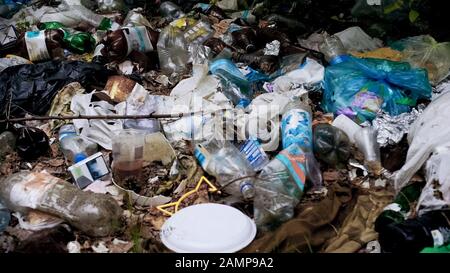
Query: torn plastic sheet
<point x="311" y="73"/>
<point x="36" y="221"/>
<point x="392" y="129"/>
<point x="201" y="83"/>
<point x="98" y="131"/>
<point x="355" y="39"/>
<point x="436" y="193"/>
<point x="429" y="131"/>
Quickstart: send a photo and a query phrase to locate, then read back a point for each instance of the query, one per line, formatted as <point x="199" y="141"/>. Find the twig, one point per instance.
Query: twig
<point x="108" y="117"/>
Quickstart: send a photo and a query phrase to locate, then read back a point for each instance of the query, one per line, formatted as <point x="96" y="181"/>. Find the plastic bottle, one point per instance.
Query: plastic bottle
<point x="366" y="140"/>
<point x="107" y="6"/>
<point x="5" y="216"/>
<point x="296" y="125"/>
<point x="398" y="211"/>
<point x="118" y="44"/>
<point x="170" y="11"/>
<point x="226" y="163"/>
<point x="40" y="45"/>
<point x="75" y="41"/>
<point x="331" y="144"/>
<point x="333" y="49"/>
<point x="74" y="147"/>
<point x="413" y="235"/>
<point x="279" y="188"/>
<point x="234" y="84"/>
<point x="254" y="153"/>
<point x="93" y="213"/>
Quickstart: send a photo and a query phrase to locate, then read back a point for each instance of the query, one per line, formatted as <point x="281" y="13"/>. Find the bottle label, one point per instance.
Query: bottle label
<point x="296" y="128"/>
<point x="394" y="207"/>
<point x="440" y="236"/>
<point x="294" y="160"/>
<point x="138" y="39"/>
<point x="202" y="156"/>
<point x="36" y="47"/>
<point x="252" y="150"/>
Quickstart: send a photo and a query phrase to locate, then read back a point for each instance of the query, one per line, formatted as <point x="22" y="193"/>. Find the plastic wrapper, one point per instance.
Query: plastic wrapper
<point x="31" y="88"/>
<point x="391" y="129"/>
<point x="272" y="48"/>
<point x="359" y="88"/>
<point x="355" y="39"/>
<point x="423" y="51"/>
<point x="12" y="60"/>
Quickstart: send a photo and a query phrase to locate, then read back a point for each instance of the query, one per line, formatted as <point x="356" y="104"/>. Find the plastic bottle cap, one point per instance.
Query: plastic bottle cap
<point x="79" y="157"/>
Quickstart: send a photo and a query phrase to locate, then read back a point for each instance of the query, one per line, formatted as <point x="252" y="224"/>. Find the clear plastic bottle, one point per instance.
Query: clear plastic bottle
<point x="93" y="213"/>
<point x="74" y="147"/>
<point x="296" y="125"/>
<point x="279" y="188"/>
<point x="234" y="84"/>
<point x="226" y="163"/>
<point x="170" y="11"/>
<point x="333" y="49"/>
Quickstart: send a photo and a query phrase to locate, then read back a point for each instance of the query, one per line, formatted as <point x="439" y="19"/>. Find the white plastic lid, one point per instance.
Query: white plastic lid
<point x="208" y="228"/>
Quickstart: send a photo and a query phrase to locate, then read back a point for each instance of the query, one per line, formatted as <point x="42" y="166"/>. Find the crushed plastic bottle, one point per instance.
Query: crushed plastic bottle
<point x="74" y="147"/>
<point x="93" y="213"/>
<point x="225" y="162"/>
<point x="170" y="11"/>
<point x="333" y="49"/>
<point x="279" y="188"/>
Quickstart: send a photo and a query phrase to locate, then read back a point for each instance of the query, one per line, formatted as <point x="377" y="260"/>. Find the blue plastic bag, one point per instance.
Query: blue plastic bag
<point x="359" y="88"/>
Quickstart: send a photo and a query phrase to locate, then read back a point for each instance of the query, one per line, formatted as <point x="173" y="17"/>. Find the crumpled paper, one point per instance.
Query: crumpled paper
<point x="272" y="48"/>
<point x="392" y="129"/>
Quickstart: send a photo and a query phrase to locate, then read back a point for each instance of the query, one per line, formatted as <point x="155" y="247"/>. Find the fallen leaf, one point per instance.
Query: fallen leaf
<point x="56" y="162"/>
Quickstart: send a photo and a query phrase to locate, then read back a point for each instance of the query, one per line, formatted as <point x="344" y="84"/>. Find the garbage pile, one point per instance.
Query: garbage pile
<point x="252" y="126"/>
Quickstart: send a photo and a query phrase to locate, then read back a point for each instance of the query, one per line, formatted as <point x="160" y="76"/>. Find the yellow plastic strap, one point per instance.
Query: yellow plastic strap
<point x="176" y="204"/>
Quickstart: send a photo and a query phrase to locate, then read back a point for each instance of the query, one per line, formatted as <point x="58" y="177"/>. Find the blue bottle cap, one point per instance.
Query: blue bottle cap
<point x="79" y="157"/>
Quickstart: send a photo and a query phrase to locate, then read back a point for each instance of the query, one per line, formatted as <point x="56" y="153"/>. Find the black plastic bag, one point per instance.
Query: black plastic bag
<point x="31" y="88"/>
<point x="32" y="143"/>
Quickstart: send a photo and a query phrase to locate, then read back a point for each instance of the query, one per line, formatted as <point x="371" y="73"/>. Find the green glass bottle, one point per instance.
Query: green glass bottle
<point x="397" y="211"/>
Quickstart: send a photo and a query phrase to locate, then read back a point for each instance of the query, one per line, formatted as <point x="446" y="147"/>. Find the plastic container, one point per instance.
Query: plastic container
<point x="93" y="213"/>
<point x="366" y="140"/>
<point x="128" y="155"/>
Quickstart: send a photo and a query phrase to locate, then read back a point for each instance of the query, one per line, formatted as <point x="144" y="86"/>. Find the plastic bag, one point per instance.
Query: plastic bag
<point x="175" y="42"/>
<point x="30" y="88"/>
<point x="423" y="51"/>
<point x="359" y="88"/>
<point x="428" y="132"/>
<point x="32" y="143"/>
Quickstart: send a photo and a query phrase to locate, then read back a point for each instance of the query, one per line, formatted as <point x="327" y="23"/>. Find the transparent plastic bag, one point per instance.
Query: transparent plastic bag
<point x="175" y="42"/>
<point x="359" y="88"/>
<point x="425" y="52"/>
